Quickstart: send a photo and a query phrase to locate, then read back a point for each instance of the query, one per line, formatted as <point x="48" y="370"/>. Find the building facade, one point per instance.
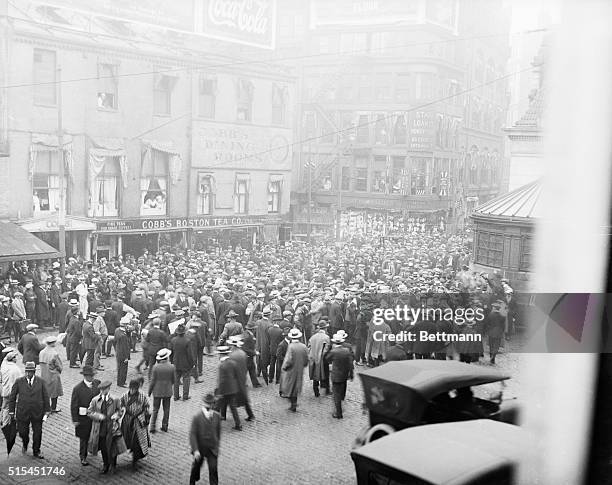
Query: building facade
<point x="392" y="113"/>
<point x="168" y="137"/>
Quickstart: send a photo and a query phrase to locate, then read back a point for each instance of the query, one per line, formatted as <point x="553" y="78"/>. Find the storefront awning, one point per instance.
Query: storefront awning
<point x="50" y="224"/>
<point x="17" y="244"/>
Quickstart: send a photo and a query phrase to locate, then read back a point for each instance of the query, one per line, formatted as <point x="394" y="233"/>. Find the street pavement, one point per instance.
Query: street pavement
<point x="307" y="447"/>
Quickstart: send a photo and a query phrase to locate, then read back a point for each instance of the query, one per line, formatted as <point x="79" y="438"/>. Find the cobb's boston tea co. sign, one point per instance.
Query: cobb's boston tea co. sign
<point x="251" y="22"/>
<point x="165" y="224"/>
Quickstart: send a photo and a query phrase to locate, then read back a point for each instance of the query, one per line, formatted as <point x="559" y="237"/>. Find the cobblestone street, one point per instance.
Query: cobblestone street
<point x="308" y="447"/>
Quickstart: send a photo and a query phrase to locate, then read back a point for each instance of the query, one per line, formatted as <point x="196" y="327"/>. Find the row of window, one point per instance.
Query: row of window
<point x="490" y="251"/>
<point x="386" y="86"/>
<point x="106" y="190"/>
<point x="164" y="86"/>
<point x="410" y="176"/>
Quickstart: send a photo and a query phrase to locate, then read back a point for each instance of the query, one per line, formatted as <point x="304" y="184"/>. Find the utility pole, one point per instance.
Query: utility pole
<point x="62" y="198"/>
<point x="310" y="166"/>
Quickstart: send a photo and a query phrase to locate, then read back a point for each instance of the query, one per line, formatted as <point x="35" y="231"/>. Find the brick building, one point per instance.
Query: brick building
<point x="389" y="76"/>
<point x="170" y="137"/>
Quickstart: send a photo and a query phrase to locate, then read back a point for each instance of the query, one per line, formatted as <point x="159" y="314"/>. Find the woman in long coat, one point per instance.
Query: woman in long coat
<point x="292" y="371"/>
<point x="50" y="371"/>
<point x="135" y="424"/>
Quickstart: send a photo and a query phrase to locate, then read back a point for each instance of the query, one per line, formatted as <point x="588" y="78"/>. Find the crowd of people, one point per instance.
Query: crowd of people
<point x="272" y="313"/>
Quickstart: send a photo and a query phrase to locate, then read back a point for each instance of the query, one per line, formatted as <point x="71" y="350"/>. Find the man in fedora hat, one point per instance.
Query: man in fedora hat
<point x="204" y="438"/>
<point x="275" y="336"/>
<point x="341" y="360"/>
<point x="90" y="340"/>
<point x="248" y="345"/>
<point x="74" y="336"/>
<point x="240" y="358"/>
<point x="50" y="371"/>
<point x="29" y="404"/>
<point x="263" y="343"/>
<point x="228" y="385"/>
<point x="318" y="345"/>
<point x="231" y="328"/>
<point x="161" y="384"/>
<point x="183" y="359"/>
<point x="82" y="394"/>
<point x="292" y="374"/>
<point x="103" y="411"/>
<point x="29" y="346"/>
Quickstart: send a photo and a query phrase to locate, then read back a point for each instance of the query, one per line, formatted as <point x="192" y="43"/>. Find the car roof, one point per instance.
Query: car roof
<point x="429" y="377"/>
<point x="450" y="453"/>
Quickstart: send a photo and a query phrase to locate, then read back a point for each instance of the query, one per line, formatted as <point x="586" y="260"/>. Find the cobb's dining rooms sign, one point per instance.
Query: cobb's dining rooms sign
<point x="228" y="146"/>
<point x="251" y="22"/>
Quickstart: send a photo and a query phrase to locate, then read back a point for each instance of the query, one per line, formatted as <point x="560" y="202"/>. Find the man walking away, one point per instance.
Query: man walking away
<point x="183" y="360"/>
<point x="204" y="438"/>
<point x="341" y="360"/>
<point x="161" y="386"/>
<point x="122" y="352"/>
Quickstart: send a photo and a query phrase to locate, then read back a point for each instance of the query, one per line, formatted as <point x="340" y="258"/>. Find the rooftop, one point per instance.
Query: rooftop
<point x="523" y="202"/>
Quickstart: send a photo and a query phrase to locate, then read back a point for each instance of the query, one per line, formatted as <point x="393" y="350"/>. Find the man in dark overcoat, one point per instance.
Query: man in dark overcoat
<point x="29" y="346"/>
<point x="82" y="394"/>
<point x="204" y="437"/>
<point x="29" y="403"/>
<point x="228" y="385"/>
<point x="122" y="352"/>
<point x="183" y="359"/>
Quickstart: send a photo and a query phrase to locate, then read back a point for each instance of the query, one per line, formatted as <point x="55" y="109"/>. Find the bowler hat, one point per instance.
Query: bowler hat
<point x="88" y="370"/>
<point x="180" y="329"/>
<point x="30" y="366"/>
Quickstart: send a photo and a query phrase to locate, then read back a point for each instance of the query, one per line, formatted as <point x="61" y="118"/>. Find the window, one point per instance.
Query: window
<point x="525" y="263"/>
<point x="274" y="196"/>
<point x="380" y="130"/>
<point x="241" y="196"/>
<point x="107" y="86"/>
<point x="400" y="132"/>
<point x="365" y="87"/>
<point x="382" y="87"/>
<point x="490" y="249"/>
<point x="106" y="189"/>
<point x="363" y="129"/>
<point x="424" y="85"/>
<point x="205" y="194"/>
<point x="162" y="94"/>
<point x="46" y="182"/>
<point x="45" y="89"/>
<point x="361" y="174"/>
<point x="403" y="87"/>
<point x="346" y="178"/>
<point x="279" y="104"/>
<point x="154" y="183"/>
<point x="310" y="125"/>
<point x="418" y="179"/>
<point x="245" y="100"/>
<point x="207" y="97"/>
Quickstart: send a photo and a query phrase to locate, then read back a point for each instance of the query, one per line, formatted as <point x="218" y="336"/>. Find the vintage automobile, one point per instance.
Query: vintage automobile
<point x="477" y="452"/>
<point x="408" y="393"/>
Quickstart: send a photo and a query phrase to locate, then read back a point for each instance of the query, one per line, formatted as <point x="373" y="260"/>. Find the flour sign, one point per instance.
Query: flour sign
<point x="251" y="22"/>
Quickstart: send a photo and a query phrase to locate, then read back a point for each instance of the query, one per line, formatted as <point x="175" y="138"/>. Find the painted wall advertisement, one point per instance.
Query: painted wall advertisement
<point x="251" y="22"/>
<point x="228" y="146"/>
<point x="422" y="131"/>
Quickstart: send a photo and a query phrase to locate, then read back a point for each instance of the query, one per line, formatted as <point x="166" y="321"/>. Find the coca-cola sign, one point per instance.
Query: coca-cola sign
<point x="251" y="22"/>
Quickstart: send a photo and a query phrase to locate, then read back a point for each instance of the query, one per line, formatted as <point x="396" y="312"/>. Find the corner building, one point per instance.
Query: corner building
<point x="171" y="137"/>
